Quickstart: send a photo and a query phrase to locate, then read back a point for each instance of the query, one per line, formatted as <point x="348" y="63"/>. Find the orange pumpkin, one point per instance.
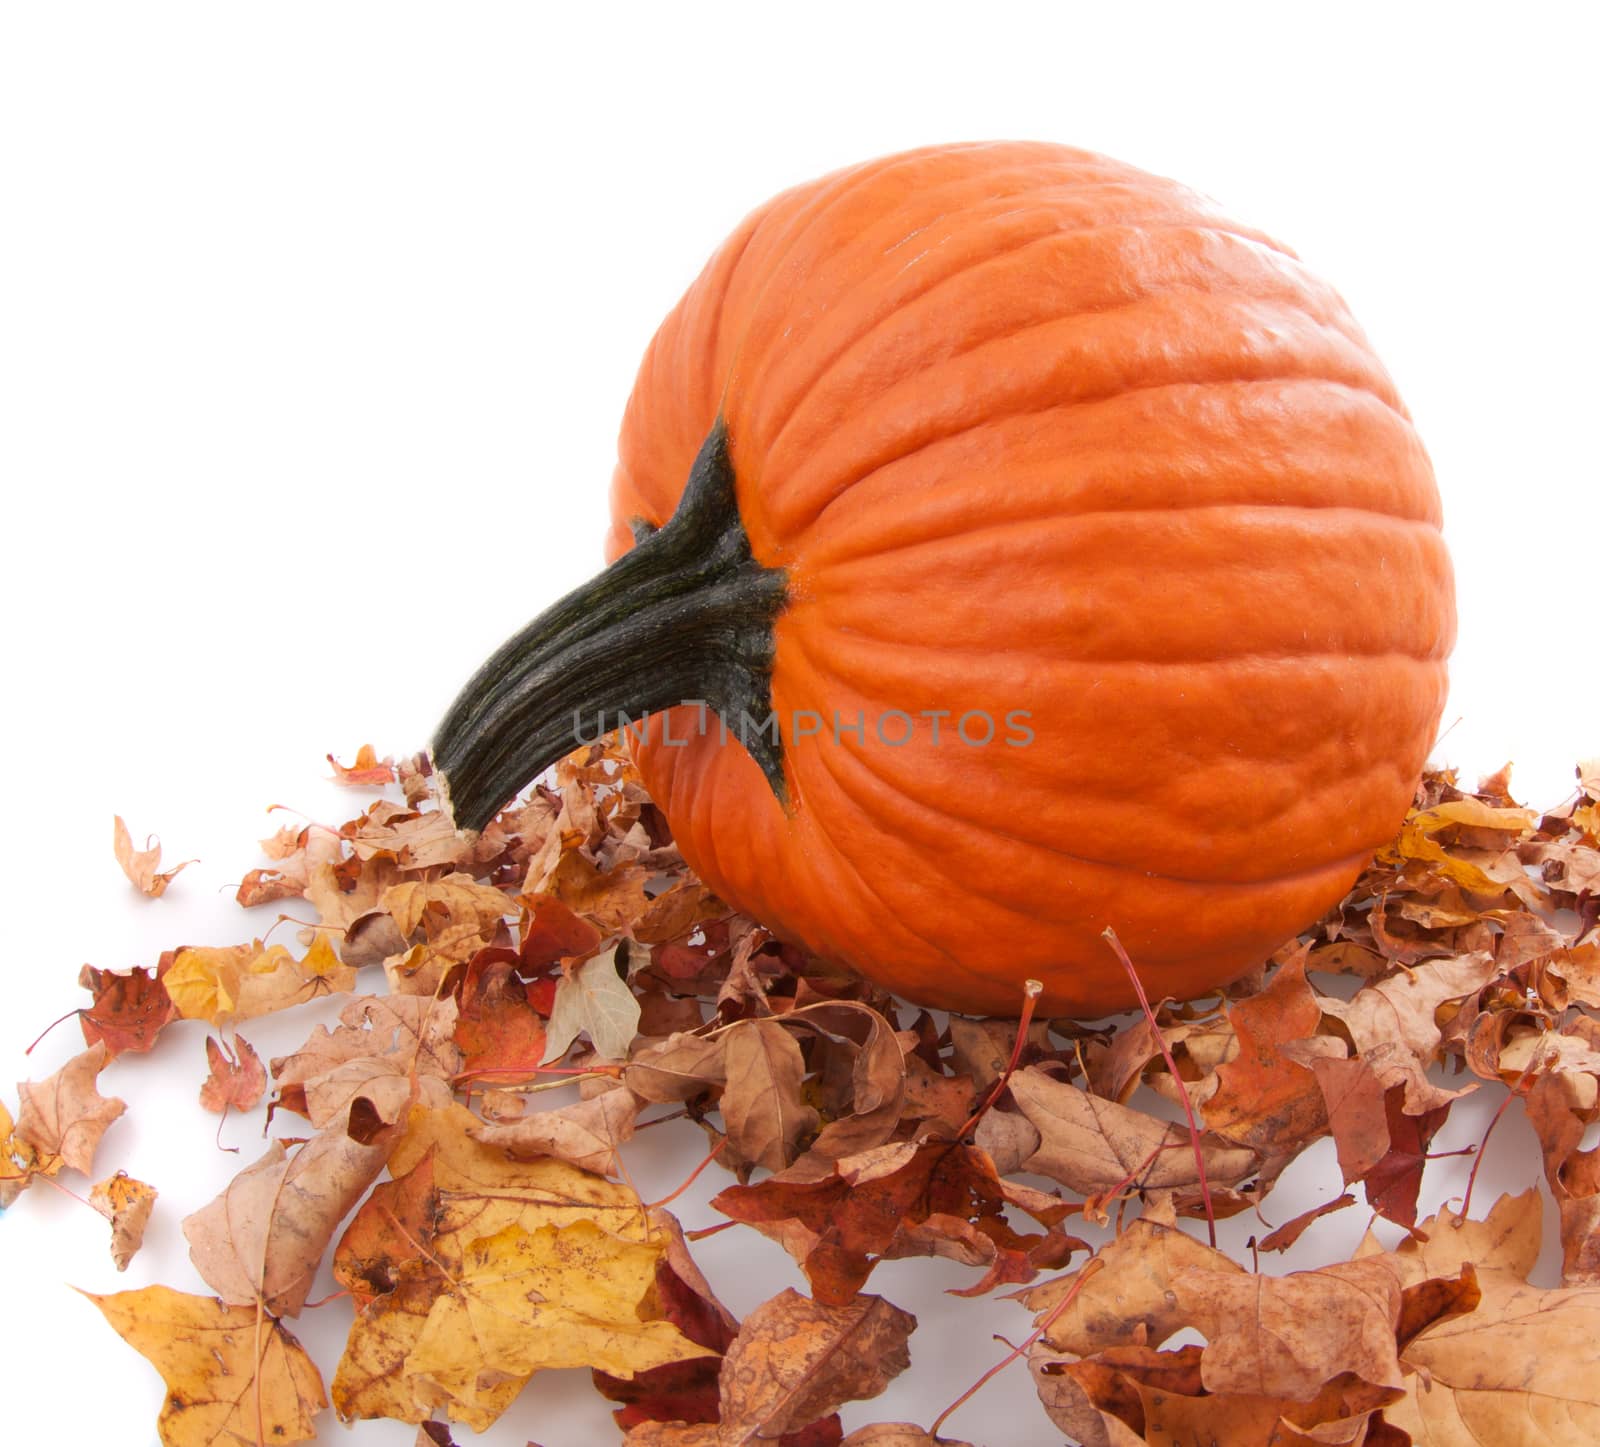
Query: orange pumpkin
<point x="1018" y="434"/>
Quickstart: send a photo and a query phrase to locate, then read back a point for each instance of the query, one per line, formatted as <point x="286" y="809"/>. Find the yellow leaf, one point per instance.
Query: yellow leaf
<point x="561" y="1296"/>
<point x="232" y="1376"/>
<point x="240" y="982"/>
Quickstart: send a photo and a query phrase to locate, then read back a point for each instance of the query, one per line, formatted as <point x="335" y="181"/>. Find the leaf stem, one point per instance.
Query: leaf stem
<point x="1110" y="937"/>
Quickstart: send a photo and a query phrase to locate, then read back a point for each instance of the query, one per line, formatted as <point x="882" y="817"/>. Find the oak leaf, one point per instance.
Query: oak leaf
<point x="63" y="1116"/>
<point x="143" y="866"/>
<point x="232" y="1376"/>
<point x="126" y="1203"/>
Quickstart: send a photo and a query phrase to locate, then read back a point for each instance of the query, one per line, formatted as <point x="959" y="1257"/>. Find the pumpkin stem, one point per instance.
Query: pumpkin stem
<point x="685" y="616"/>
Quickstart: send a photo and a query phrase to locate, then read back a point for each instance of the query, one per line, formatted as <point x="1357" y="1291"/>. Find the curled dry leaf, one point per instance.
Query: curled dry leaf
<point x="64" y="1115"/>
<point x="762" y="1107"/>
<point x="939" y="1198"/>
<point x="796" y="1360"/>
<point x="367" y="772"/>
<point x="232" y="1376"/>
<point x="897" y="1434"/>
<point x="1097" y="1147"/>
<point x="588" y="1134"/>
<point x="18" y="1160"/>
<point x="229" y="985"/>
<point x="127" y="1204"/>
<point x="143" y="866"/>
<point x="264" y="1236"/>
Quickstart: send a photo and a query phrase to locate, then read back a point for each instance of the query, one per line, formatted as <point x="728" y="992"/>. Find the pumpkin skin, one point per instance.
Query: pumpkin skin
<point x="1029" y="429"/>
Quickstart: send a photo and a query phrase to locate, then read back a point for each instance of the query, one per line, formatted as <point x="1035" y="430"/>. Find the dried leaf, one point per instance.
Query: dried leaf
<point x="237" y="1077"/>
<point x="587" y="1134"/>
<point x="367" y="772"/>
<point x="129" y="1010"/>
<point x="795" y="1360"/>
<point x="127" y="1204"/>
<point x="231" y="1375"/>
<point x="228" y="985"/>
<point x="761" y="1103"/>
<point x="264" y="1236"/>
<point x="593" y="1000"/>
<point x="143" y="866"/>
<point x="64" y="1115"/>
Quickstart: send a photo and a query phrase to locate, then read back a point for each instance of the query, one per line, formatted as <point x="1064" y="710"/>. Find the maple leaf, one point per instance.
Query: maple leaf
<point x="795" y="1360"/>
<point x="18" y="1160"/>
<point x="64" y="1116"/>
<point x="367" y="772"/>
<point x="938" y="1198"/>
<point x="559" y="1296"/>
<point x="127" y="1204"/>
<point x="242" y="982"/>
<point x="593" y="1000"/>
<point x="237" y="1077"/>
<point x="129" y="1010"/>
<point x="507" y="1267"/>
<point x="551" y="931"/>
<point x="143" y="866"/>
<point x="1129" y="1299"/>
<point x="264" y="1236"/>
<point x="1264" y="1099"/>
<point x="1284" y="1337"/>
<point x="389" y="1050"/>
<point x="231" y="1375"/>
<point x="498" y="1031"/>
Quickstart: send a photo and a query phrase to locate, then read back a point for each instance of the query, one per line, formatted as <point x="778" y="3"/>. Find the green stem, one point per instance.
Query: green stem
<point x="685" y="616"/>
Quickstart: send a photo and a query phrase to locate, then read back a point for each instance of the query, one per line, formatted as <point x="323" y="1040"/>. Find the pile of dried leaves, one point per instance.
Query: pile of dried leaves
<point x="494" y="1237"/>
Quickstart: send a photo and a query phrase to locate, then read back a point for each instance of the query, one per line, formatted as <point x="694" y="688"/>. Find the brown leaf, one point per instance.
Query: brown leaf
<point x="676" y="1069"/>
<point x="897" y="1434"/>
<point x="1287" y="1234"/>
<point x="388" y="1050"/>
<point x="795" y="1360"/>
<point x="129" y="1010"/>
<point x="242" y="982"/>
<point x="1265" y="1100"/>
<point x="237" y="1076"/>
<point x="761" y="1101"/>
<point x="1524" y="1366"/>
<point x="142" y="866"/>
<point x="588" y="1134"/>
<point x="63" y="1116"/>
<point x="1130" y="1299"/>
<point x="1285" y="1336"/>
<point x="127" y="1204"/>
<point x="1096" y="1146"/>
<point x="264" y="1236"/>
<point x="229" y="1372"/>
<point x="937" y="1198"/>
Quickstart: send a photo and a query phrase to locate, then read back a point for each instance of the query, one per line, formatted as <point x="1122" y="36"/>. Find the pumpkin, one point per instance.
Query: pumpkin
<point x="1074" y="540"/>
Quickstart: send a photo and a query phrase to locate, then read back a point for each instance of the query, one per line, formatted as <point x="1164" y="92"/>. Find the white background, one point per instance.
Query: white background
<point x="316" y="323"/>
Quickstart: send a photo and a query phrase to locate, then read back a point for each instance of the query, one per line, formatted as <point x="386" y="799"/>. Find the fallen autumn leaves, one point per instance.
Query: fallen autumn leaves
<point x="569" y="945"/>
